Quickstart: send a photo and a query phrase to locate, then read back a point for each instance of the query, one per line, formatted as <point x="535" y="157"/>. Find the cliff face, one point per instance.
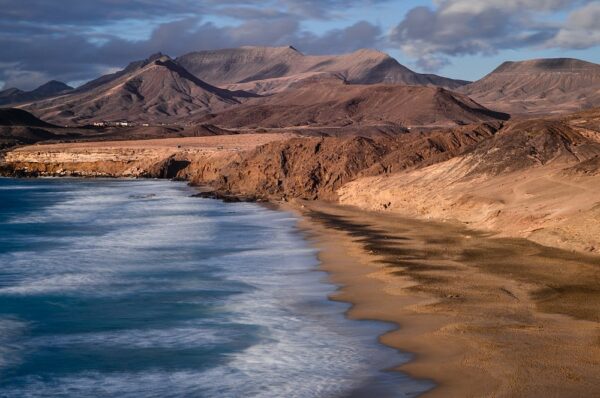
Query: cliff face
<point x="534" y="178"/>
<point x="538" y="179"/>
<point x="269" y="166"/>
<point x="309" y="168"/>
<point x="315" y="168"/>
<point x="184" y="158"/>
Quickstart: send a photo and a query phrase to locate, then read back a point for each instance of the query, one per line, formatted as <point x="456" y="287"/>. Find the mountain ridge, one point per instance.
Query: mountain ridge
<point x="152" y="89"/>
<point x="249" y="64"/>
<point x="51" y="88"/>
<point x="332" y="103"/>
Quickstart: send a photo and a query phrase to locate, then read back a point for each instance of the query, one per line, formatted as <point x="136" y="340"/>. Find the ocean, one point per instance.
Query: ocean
<point x="134" y="288"/>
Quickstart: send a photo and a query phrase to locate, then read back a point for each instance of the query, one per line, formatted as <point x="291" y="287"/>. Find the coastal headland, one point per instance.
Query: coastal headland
<point x="484" y="313"/>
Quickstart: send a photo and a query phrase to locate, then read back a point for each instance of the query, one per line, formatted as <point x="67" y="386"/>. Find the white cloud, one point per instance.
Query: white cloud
<point x="582" y="29"/>
<point x="467" y="27"/>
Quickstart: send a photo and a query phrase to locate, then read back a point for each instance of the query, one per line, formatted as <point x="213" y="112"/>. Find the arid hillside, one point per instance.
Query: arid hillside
<point x="19" y="117"/>
<point x="19" y="127"/>
<point x="156" y="89"/>
<point x="538" y="179"/>
<point x="331" y="103"/>
<point x="315" y="167"/>
<point x="540" y="86"/>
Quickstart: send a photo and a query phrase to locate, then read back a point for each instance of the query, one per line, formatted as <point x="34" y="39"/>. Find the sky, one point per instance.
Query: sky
<point x="77" y="40"/>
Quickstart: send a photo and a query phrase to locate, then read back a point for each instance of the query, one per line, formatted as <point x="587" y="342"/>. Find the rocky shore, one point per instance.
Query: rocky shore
<point x="536" y="179"/>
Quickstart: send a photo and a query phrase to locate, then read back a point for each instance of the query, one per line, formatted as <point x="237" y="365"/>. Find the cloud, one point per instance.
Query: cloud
<point x="79" y="39"/>
<point x="24" y="78"/>
<point x="78" y="12"/>
<point x="72" y="57"/>
<point x="337" y="41"/>
<point x="467" y="27"/>
<point x="322" y="9"/>
<point x="582" y="29"/>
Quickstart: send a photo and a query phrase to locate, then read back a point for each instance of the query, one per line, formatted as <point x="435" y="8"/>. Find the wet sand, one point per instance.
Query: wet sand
<point x="483" y="316"/>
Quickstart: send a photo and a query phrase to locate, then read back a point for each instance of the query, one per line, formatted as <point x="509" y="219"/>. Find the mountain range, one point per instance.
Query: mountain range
<point x="49" y="89"/>
<point x="152" y="90"/>
<point x="277" y="87"/>
<point x="244" y="67"/>
<point x="505" y="152"/>
<point x="333" y="103"/>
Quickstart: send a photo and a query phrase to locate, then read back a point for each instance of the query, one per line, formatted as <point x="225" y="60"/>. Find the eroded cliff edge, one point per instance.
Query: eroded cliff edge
<point x="535" y="178"/>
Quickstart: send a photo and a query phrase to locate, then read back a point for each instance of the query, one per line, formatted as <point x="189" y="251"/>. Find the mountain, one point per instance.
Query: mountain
<point x="19" y="117"/>
<point x="49" y="89"/>
<point x="155" y="89"/>
<point x="18" y="127"/>
<point x="332" y="103"/>
<point x="539" y="86"/>
<point x="132" y="67"/>
<point x="245" y="65"/>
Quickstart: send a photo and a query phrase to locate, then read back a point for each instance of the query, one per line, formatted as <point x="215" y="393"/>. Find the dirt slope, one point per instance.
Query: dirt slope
<point x="538" y="179"/>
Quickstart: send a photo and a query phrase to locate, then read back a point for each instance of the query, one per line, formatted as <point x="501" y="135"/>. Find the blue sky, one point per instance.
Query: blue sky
<point x="456" y="38"/>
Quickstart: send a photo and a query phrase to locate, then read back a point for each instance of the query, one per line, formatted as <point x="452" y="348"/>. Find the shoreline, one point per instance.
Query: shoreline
<point x="346" y="274"/>
<point x="489" y="335"/>
<point x="218" y="273"/>
<point x="481" y="315"/>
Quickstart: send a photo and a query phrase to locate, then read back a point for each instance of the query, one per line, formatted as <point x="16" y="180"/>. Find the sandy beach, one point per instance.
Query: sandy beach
<point x="484" y="317"/>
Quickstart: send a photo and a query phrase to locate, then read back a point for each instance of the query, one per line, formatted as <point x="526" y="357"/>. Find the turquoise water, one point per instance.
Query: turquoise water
<point x="136" y="289"/>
